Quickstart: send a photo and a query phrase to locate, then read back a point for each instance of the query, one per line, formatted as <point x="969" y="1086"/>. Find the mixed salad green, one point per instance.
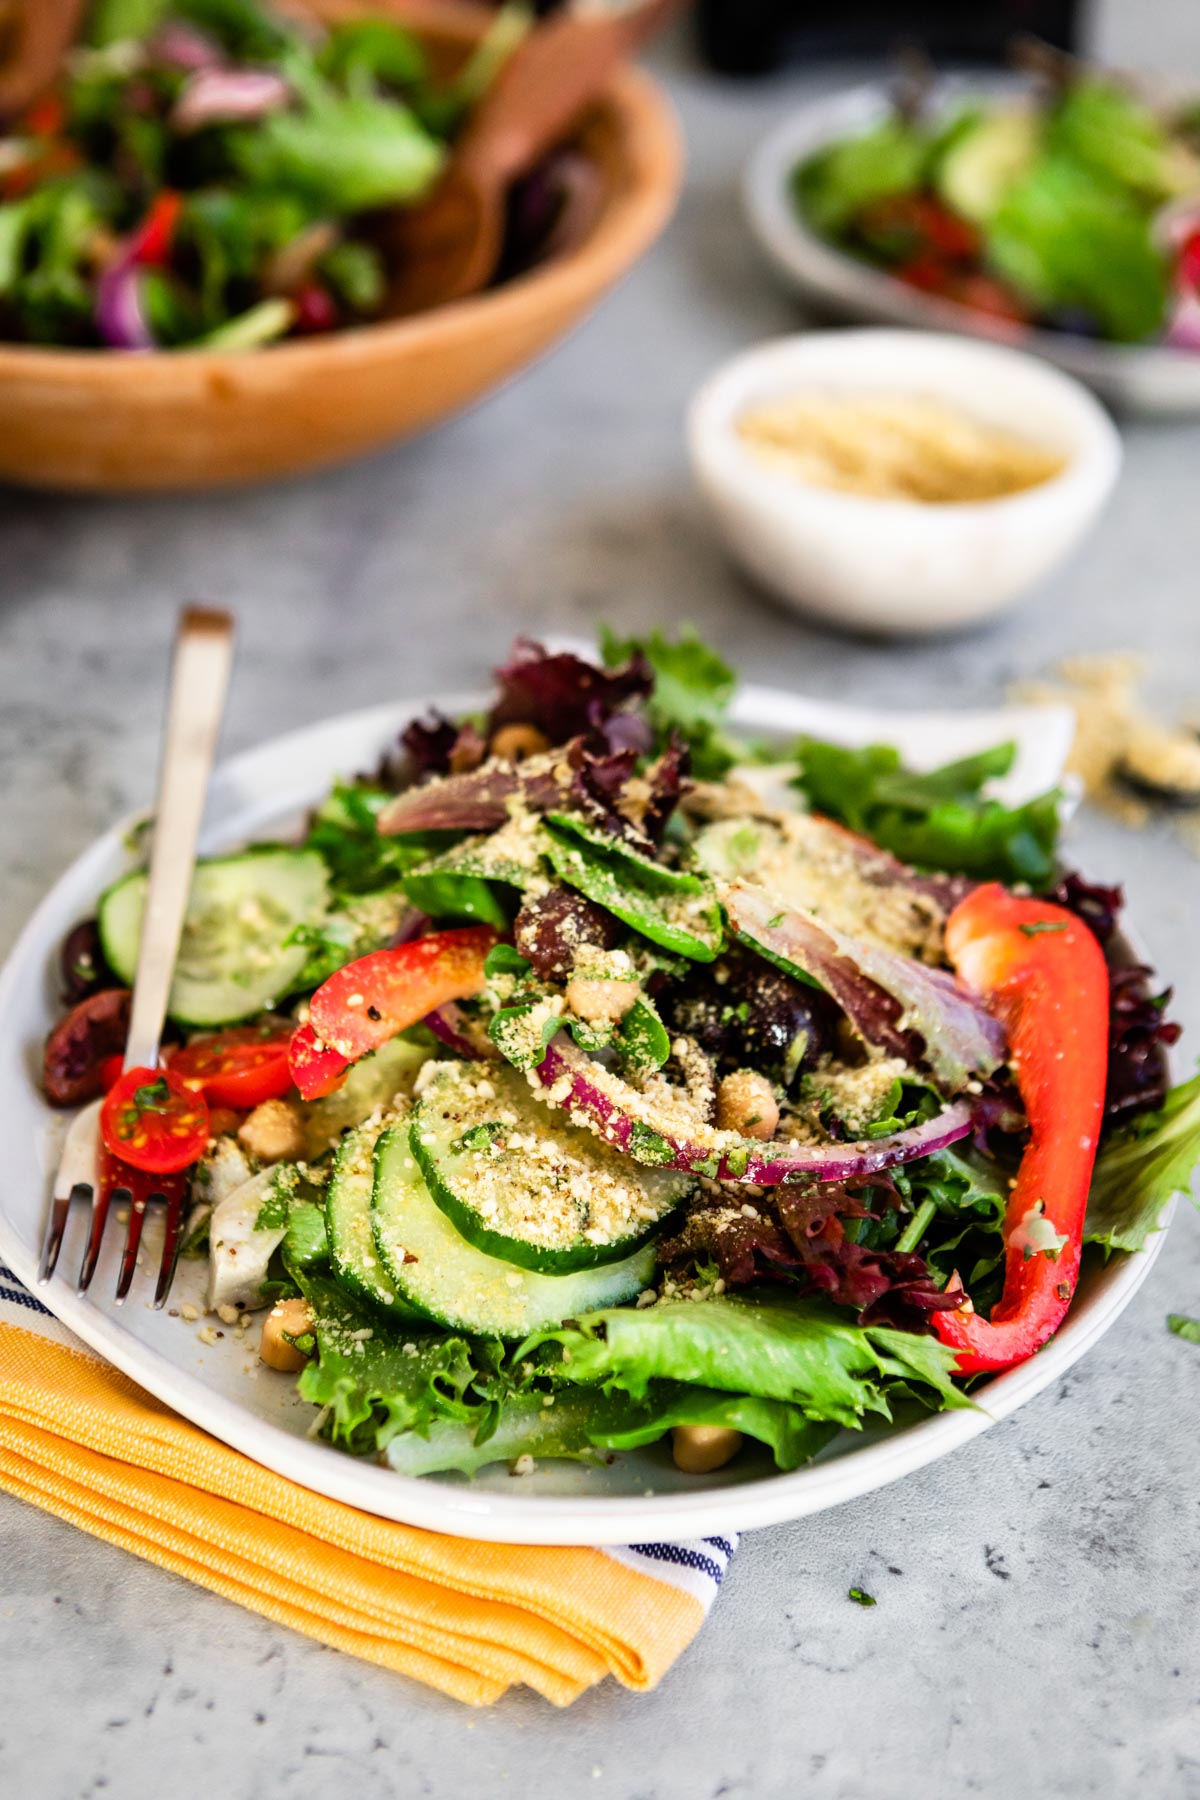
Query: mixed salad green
<point x="557" y="1098"/>
<point x="211" y="173"/>
<point x="1076" y="208"/>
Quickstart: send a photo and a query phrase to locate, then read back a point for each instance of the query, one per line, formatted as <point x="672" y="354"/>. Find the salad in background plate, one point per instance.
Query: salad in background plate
<point x="1074" y="207"/>
<point x="585" y="1074"/>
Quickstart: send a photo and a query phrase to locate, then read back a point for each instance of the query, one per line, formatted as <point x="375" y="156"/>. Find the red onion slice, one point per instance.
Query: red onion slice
<point x="1183" y="329"/>
<point x="120" y="313"/>
<point x="179" y="46"/>
<point x="451" y="1027"/>
<point x="228" y="97"/>
<point x="479" y="800"/>
<point x="595" y="1097"/>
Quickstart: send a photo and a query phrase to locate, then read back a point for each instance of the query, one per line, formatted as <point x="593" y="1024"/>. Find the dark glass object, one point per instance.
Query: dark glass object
<point x="749" y="37"/>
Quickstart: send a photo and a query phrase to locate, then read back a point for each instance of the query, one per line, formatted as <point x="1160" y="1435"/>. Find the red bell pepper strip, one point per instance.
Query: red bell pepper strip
<point x="1043" y="973"/>
<point x="371" y="1000"/>
<point x="151" y="242"/>
<point x="316" y="1070"/>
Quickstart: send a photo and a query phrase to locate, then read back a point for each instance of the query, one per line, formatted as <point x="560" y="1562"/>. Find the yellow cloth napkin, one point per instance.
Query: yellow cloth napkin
<point x="82" y="1441"/>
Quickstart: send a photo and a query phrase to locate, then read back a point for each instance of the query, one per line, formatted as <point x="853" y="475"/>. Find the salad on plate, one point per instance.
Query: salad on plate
<point x="585" y="1075"/>
<point x="1073" y="206"/>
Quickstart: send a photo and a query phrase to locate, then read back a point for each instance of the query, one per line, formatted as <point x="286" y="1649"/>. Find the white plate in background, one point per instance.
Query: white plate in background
<point x="1149" y="378"/>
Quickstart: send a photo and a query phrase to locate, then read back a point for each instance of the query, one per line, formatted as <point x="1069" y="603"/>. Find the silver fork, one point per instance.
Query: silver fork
<point x="199" y="678"/>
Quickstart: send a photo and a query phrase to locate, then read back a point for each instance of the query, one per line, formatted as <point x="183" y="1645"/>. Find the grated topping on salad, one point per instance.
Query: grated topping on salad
<point x="618" y="1106"/>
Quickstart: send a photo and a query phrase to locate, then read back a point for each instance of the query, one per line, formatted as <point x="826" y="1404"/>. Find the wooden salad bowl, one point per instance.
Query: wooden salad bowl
<point x="100" y="421"/>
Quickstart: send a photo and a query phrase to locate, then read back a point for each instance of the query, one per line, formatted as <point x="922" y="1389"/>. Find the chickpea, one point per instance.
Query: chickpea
<point x="273" y="1132"/>
<point x="600" y="999"/>
<point x="513" y="743"/>
<point x="746" y="1104"/>
<point x="294" y="1318"/>
<point x="699" y="1449"/>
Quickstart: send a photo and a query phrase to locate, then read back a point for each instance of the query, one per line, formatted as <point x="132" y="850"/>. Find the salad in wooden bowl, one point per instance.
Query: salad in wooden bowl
<point x="195" y="256"/>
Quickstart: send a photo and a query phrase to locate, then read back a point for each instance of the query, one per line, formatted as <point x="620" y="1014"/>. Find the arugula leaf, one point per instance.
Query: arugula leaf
<point x="641" y="1038"/>
<point x="306" y="1241"/>
<point x="447" y="894"/>
<point x="1068" y="236"/>
<point x="1188" y="1329"/>
<point x="692" y="684"/>
<point x="346" y="153"/>
<point x="360" y="859"/>
<point x="693" y="687"/>
<point x="378" y="49"/>
<point x="1115" y="135"/>
<point x="675" y="909"/>
<point x="800" y="1351"/>
<point x="853" y="173"/>
<point x="275" y="1210"/>
<point x="1141" y="1169"/>
<point x="118" y="21"/>
<point x="939" y="820"/>
<point x="502" y="959"/>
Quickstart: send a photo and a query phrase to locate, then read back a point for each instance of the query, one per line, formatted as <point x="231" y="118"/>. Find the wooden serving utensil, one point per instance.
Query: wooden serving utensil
<point x="36" y="35"/>
<point x="450" y="245"/>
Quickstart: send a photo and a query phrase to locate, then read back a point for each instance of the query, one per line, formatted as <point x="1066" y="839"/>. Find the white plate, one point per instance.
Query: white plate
<point x="1146" y="378"/>
<point x="226" y="1391"/>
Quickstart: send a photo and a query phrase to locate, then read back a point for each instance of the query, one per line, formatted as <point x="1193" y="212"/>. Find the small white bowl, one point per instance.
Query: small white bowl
<point x="899" y="566"/>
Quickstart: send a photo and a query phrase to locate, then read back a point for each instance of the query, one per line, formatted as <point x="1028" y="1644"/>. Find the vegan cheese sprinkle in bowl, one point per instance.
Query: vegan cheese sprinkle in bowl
<point x="899" y="481"/>
<point x="893" y="447"/>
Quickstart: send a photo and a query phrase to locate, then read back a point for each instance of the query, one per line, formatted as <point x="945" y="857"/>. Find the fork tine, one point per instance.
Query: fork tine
<point x="101" y="1197"/>
<point x="133" y="1237"/>
<point x="56" y="1225"/>
<point x="76" y="1178"/>
<point x="172" y="1238"/>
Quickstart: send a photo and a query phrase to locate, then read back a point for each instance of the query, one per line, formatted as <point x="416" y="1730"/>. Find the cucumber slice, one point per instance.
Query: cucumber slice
<point x="979" y="169"/>
<point x="448" y="1280"/>
<point x="348" y="1222"/>
<point x="523" y="1184"/>
<point x="371" y="1085"/>
<point x="235" y="959"/>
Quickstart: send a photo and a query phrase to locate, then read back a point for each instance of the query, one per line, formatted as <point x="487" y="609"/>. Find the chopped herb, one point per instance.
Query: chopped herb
<point x="775" y="921"/>
<point x="152" y="1096"/>
<point x="1184" y="1327"/>
<point x="649" y="1146"/>
<point x="480" y="1136"/>
<point x="861" y="1597"/>
<point x="1033" y="927"/>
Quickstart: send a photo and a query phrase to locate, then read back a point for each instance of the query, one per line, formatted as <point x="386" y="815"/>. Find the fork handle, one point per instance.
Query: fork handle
<point x="199" y="679"/>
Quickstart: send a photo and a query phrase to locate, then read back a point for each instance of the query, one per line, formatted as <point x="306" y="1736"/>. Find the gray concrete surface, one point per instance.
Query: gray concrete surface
<point x="1036" y="1632"/>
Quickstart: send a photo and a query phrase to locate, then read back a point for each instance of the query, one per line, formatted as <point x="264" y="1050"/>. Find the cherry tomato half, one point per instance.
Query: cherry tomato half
<point x="239" y="1068"/>
<point x="150" y="1119"/>
<point x="141" y="1183"/>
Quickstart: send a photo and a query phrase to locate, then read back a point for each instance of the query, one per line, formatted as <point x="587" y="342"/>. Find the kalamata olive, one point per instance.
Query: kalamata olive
<point x="94" y="1029"/>
<point x="746" y="1014"/>
<point x="84" y="970"/>
<point x="550" y="928"/>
